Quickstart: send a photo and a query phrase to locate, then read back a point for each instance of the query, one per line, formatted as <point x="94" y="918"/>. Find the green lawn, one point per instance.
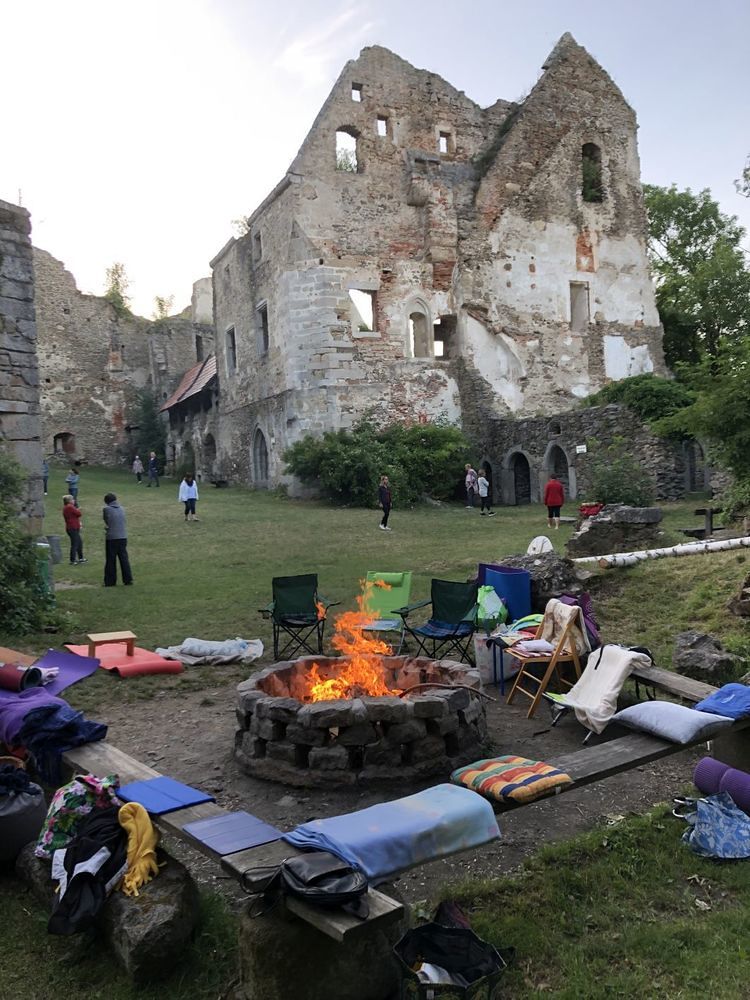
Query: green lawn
<point x="612" y="913"/>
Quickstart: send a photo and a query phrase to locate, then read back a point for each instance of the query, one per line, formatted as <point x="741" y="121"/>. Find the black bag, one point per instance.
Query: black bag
<point x="321" y="879"/>
<point x="459" y="952"/>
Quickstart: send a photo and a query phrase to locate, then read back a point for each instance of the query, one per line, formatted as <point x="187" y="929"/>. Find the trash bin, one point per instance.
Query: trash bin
<point x="43" y="553"/>
<point x="513" y="586"/>
<point x="55" y="549"/>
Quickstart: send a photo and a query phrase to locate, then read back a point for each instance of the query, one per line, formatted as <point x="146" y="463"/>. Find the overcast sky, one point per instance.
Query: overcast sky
<point x="136" y="131"/>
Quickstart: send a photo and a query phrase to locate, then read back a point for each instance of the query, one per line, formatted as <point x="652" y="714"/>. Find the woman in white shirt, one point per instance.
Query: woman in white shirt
<point x="189" y="496"/>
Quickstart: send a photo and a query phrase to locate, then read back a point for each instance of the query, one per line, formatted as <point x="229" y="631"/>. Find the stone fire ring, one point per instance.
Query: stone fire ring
<point x="362" y="740"/>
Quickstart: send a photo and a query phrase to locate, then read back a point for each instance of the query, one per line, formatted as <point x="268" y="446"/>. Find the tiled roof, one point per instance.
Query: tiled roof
<point x="195" y="379"/>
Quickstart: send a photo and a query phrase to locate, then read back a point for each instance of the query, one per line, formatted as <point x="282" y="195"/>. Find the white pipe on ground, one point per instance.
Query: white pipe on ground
<point x="617" y="559"/>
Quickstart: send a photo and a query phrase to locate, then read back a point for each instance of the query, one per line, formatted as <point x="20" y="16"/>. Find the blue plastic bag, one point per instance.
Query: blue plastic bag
<point x="717" y="828"/>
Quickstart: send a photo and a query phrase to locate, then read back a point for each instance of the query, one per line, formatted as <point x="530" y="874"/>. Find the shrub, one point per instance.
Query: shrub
<point x="617" y="477"/>
<point x="650" y="396"/>
<point x="346" y="465"/>
<point x="23" y="601"/>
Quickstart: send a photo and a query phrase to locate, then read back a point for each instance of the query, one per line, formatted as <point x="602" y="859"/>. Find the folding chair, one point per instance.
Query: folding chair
<point x="452" y="621"/>
<point x="385" y="593"/>
<point x="296" y="613"/>
<point x="562" y="626"/>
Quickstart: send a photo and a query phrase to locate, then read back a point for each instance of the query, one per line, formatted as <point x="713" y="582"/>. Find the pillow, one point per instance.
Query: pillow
<point x="732" y="700"/>
<point x="534" y="646"/>
<point x="670" y="721"/>
<point x="509" y="778"/>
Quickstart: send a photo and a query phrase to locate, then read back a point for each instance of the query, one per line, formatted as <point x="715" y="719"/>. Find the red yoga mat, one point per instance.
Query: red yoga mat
<point x="114" y="657"/>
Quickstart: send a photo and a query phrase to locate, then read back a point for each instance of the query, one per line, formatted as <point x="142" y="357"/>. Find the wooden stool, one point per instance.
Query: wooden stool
<point x="104" y="638"/>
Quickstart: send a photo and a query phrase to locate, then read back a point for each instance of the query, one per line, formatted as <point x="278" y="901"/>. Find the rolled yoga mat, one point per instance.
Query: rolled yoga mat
<point x="708" y="774"/>
<point x="15" y="678"/>
<point x="737" y="784"/>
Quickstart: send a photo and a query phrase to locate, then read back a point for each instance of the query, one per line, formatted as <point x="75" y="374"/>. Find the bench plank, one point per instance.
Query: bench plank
<point x="685" y="688"/>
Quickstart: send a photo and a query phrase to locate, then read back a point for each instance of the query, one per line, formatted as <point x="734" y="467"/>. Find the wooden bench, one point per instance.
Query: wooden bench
<point x="684" y="688"/>
<point x="105" y="638"/>
<point x="102" y="758"/>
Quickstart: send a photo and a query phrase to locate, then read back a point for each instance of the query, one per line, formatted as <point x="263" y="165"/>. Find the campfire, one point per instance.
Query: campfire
<point x="363" y="673"/>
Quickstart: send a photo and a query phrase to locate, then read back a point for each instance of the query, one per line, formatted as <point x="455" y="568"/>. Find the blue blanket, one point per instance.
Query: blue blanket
<point x="392" y="836"/>
<point x="732" y="701"/>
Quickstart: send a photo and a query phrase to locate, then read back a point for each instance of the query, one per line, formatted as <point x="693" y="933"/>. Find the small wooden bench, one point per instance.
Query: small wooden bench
<point x="105" y="638"/>
<point x="685" y="688"/>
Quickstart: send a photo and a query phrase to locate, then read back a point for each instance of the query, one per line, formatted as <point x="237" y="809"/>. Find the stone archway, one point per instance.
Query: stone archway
<point x="64" y="443"/>
<point x="519" y="466"/>
<point x="556" y="462"/>
<point x="697" y="472"/>
<point x="209" y="454"/>
<point x="260" y="460"/>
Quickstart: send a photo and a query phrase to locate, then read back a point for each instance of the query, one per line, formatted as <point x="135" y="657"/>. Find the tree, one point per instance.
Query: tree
<point x="149" y="432"/>
<point x="743" y="182"/>
<point x="702" y="281"/>
<point x="116" y="292"/>
<point x="163" y="306"/>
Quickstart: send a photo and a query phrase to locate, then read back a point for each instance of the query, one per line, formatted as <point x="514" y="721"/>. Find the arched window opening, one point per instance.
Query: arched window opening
<point x="521" y="470"/>
<point x="592" y="188"/>
<point x="347" y="151"/>
<point x="557" y="465"/>
<point x="260" y="459"/>
<point x="420" y="341"/>
<point x="209" y="453"/>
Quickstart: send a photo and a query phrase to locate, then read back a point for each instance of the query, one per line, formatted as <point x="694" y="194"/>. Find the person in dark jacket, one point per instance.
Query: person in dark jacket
<point x="116" y="544"/>
<point x="153" y="469"/>
<point x="384" y="499"/>
<point x="554" y="498"/>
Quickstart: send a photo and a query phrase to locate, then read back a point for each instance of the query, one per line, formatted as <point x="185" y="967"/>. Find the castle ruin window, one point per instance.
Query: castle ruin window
<point x="347" y="152"/>
<point x="260" y="459"/>
<point x="363" y="309"/>
<point x="579" y="306"/>
<point x="198" y="347"/>
<point x="64" y="443"/>
<point x="420" y="336"/>
<point x="592" y="189"/>
<point x="357" y="93"/>
<point x="231" y="341"/>
<point x="263" y="335"/>
<point x="446" y="142"/>
<point x="444" y="336"/>
<point x="257" y="247"/>
<point x="382" y="125"/>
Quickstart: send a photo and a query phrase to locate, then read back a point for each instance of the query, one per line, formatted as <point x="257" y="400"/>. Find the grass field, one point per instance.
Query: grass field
<point x="624" y="912"/>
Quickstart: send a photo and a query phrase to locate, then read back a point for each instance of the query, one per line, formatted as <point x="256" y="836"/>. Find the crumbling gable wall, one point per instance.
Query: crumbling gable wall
<point x="93" y="362"/>
<point x="19" y="380"/>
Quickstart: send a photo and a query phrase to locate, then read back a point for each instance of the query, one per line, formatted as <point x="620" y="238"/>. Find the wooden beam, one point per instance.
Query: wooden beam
<point x="685" y="688"/>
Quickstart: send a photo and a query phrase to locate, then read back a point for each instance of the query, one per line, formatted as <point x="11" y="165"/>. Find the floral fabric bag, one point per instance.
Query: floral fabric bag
<point x="68" y="807"/>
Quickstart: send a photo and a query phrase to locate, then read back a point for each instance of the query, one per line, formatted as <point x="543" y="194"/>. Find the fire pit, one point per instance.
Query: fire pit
<point x="318" y="720"/>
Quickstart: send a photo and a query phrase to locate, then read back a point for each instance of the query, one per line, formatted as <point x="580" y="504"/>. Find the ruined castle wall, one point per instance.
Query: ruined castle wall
<point x="93" y="363"/>
<point x="20" y="428"/>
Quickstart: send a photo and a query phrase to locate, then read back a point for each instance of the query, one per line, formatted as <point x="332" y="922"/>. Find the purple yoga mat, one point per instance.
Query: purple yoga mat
<point x="73" y="668"/>
<point x="737" y="783"/>
<point x="708" y="774"/>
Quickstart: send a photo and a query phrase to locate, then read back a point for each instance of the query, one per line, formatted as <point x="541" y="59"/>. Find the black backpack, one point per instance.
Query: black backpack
<point x="318" y="878"/>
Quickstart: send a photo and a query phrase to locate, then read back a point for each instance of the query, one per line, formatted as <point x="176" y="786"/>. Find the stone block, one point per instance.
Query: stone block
<point x="382" y="754"/>
<point x="281" y="751"/>
<point x="455" y="697"/>
<point x="278" y="709"/>
<point x="703" y="658"/>
<point x="388" y="709"/>
<point x="306" y="736"/>
<point x="248" y="699"/>
<point x="358" y="735"/>
<point x="22" y="291"/>
<point x="429" y="707"/>
<point x="332" y="714"/>
<point x="267" y="729"/>
<point x="439" y="727"/>
<point x="329" y="759"/>
<point x="472" y="711"/>
<point x="431" y="748"/>
<point x="406" y="732"/>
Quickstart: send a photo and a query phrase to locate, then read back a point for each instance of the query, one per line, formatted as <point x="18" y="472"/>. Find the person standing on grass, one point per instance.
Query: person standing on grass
<point x="483" y="485"/>
<point x="138" y="469"/>
<point x="471" y="486"/>
<point x="153" y="469"/>
<point x="189" y="496"/>
<point x="72" y="517"/>
<point x="45" y="474"/>
<point x="554" y="498"/>
<point x="384" y="499"/>
<point x="72" y="479"/>
<point x="116" y="544"/>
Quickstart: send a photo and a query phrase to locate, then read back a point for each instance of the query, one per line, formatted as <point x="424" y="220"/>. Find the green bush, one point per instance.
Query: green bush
<point x="24" y="602"/>
<point x="736" y="501"/>
<point x="650" y="396"/>
<point x="617" y="477"/>
<point x="347" y="465"/>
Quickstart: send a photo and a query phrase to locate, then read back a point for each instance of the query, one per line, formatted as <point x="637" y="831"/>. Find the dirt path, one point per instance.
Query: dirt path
<point x="191" y="738"/>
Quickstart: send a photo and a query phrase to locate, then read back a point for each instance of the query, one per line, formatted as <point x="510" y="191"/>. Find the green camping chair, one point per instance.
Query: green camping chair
<point x="295" y="615"/>
<point x="452" y="621"/>
<point x="384" y="603"/>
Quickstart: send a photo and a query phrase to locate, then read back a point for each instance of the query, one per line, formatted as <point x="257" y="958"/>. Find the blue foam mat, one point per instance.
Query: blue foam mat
<point x="232" y="832"/>
<point x="163" y="795"/>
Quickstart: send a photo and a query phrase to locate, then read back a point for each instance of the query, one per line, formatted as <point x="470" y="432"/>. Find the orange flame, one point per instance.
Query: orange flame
<point x="363" y="673"/>
<point x="321" y="609"/>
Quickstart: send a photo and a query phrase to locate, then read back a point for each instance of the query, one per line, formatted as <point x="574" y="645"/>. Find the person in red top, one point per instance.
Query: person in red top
<point x="554" y="498"/>
<point x="72" y="516"/>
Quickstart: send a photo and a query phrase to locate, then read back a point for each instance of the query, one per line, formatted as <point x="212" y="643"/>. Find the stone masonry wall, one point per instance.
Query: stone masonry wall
<point x="19" y="379"/>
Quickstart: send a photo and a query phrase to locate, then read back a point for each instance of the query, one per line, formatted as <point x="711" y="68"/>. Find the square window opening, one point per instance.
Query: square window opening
<point x="382" y="125"/>
<point x="231" y="341"/>
<point x="580" y="316"/>
<point x="363" y="309"/>
<point x="263" y="336"/>
<point x="347" y="158"/>
<point x="357" y="93"/>
<point x="445" y="142"/>
<point x="444" y="337"/>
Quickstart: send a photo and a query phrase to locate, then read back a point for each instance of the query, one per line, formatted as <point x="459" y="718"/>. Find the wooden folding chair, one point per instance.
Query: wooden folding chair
<point x="546" y="664"/>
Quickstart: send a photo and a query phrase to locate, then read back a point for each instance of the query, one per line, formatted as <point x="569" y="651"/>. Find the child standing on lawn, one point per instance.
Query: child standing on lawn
<point x="188" y="495"/>
<point x="483" y="485"/>
<point x="72" y="517"/>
